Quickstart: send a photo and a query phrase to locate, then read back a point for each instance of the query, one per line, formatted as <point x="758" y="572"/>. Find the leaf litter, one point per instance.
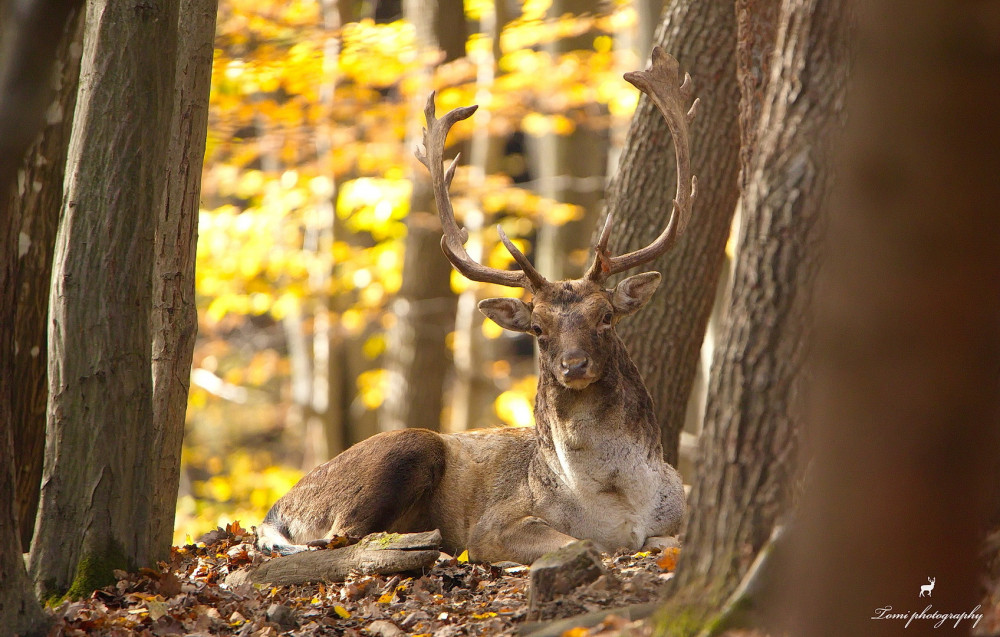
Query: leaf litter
<point x="189" y="596"/>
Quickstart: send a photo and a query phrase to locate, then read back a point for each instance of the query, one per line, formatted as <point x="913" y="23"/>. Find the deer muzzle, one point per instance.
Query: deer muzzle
<point x="576" y="369"/>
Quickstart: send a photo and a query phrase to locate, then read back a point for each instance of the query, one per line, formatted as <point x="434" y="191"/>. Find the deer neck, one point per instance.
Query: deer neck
<point x="613" y="411"/>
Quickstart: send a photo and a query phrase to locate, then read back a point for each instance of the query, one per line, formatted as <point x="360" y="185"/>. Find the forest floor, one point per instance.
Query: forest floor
<point x="189" y="596"/>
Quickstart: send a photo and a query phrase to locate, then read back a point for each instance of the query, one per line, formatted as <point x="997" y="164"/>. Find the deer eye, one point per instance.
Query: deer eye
<point x="536" y="330"/>
<point x="607" y="318"/>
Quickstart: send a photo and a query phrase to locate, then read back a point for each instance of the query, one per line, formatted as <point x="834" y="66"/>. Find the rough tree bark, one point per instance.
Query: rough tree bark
<point x="29" y="41"/>
<point x="19" y="609"/>
<point x="749" y="444"/>
<point x="38" y="199"/>
<point x="903" y="410"/>
<point x="97" y="490"/>
<point x="417" y="356"/>
<point x="757" y="24"/>
<point x="756" y="27"/>
<point x="174" y="314"/>
<point x="666" y="342"/>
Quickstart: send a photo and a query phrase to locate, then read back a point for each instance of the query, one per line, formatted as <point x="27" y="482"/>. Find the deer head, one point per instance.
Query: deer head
<point x="573" y="320"/>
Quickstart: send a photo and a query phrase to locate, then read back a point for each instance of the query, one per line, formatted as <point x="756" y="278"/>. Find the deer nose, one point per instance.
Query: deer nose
<point x="574" y="363"/>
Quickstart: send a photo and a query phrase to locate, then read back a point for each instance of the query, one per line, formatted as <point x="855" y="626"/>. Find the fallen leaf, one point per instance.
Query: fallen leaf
<point x="156" y="609"/>
<point x="384" y="629"/>
<point x="668" y="561"/>
<point x="235" y="529"/>
<point x="169" y="584"/>
<point x="483" y="615"/>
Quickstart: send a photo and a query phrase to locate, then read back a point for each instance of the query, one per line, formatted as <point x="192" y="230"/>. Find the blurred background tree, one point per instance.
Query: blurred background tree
<point x="326" y="309"/>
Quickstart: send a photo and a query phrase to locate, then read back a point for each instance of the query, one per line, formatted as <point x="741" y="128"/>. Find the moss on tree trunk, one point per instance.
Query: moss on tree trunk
<point x="96" y="569"/>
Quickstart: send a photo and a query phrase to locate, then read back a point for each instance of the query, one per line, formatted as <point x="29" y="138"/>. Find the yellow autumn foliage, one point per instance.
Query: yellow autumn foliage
<point x="243" y="488"/>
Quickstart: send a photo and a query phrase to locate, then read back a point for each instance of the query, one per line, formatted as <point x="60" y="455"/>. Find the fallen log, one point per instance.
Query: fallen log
<point x="378" y="553"/>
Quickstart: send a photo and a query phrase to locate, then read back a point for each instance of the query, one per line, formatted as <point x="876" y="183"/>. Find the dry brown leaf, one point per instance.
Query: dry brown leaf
<point x="668" y="560"/>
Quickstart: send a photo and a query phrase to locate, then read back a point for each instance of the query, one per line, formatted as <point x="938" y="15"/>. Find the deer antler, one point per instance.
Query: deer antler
<point x="661" y="82"/>
<point x="454" y="238"/>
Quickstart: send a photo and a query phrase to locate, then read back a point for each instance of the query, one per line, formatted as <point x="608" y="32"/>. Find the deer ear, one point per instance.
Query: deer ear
<point x="513" y="314"/>
<point x="632" y="293"/>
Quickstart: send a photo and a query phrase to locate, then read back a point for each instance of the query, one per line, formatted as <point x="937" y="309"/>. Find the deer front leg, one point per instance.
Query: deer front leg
<point x="521" y="540"/>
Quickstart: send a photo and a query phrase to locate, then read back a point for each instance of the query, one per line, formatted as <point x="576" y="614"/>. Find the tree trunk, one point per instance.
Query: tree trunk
<point x="174" y="313"/>
<point x="440" y="25"/>
<point x="757" y="24"/>
<point x="318" y="375"/>
<point x="38" y="200"/>
<point x="904" y="411"/>
<point x="97" y="491"/>
<point x="326" y="424"/>
<point x="29" y="40"/>
<point x="569" y="168"/>
<point x="418" y="360"/>
<point x="666" y="342"/>
<point x="19" y="610"/>
<point x="649" y="18"/>
<point x="417" y="356"/>
<point x="749" y="445"/>
<point x="473" y="391"/>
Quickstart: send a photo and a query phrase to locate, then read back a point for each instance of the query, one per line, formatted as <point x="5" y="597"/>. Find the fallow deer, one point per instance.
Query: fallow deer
<point x="590" y="468"/>
<point x="927" y="589"/>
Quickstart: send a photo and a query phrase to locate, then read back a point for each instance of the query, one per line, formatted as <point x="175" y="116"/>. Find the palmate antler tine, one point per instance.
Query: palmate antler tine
<point x="663" y="84"/>
<point x="454" y="237"/>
